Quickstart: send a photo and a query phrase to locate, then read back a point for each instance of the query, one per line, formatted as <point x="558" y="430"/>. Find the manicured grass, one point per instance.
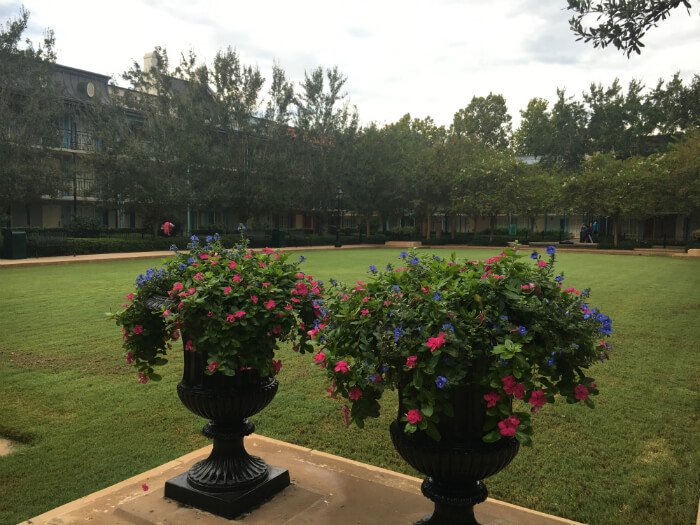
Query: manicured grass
<point x="85" y="423"/>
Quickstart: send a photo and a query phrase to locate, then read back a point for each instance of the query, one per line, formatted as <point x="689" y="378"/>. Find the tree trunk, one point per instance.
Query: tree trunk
<point x="367" y="227"/>
<point x="429" y="225"/>
<point x="453" y="227"/>
<point x="492" y="225"/>
<point x="616" y="231"/>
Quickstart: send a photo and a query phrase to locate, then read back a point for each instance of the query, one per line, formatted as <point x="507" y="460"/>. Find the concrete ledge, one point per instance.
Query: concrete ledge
<point x="403" y="244"/>
<point x="325" y="489"/>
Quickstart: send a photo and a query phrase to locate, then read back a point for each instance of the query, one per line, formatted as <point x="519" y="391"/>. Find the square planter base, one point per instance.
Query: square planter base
<point x="227" y="504"/>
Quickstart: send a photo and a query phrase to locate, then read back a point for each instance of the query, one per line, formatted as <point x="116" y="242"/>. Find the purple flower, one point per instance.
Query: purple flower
<point x="437" y="296"/>
<point x="403" y="255"/>
<point x="559" y="278"/>
<point x="551" y="250"/>
<point x="372" y="268"/>
<point x="522" y="330"/>
<point x="448" y="326"/>
<point x="441" y="382"/>
<point x="413" y="261"/>
<point x="534" y="255"/>
<point x="397" y="333"/>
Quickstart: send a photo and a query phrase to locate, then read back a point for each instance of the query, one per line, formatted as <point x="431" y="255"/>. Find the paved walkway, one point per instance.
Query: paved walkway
<point x="325" y="490"/>
<point x="101" y="257"/>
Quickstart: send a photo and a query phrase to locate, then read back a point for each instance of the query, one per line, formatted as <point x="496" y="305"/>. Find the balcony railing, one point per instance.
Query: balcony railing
<point x="77" y="140"/>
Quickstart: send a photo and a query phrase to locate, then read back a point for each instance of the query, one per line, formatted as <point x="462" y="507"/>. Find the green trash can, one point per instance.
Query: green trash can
<point x="14" y="244"/>
<point x="277" y="239"/>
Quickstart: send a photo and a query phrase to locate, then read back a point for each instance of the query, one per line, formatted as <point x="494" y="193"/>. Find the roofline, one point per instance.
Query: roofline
<point x="84" y="71"/>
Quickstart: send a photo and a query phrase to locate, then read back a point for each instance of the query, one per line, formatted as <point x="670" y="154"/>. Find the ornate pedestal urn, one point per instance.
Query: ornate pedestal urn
<point x="230" y="481"/>
<point x="456" y="465"/>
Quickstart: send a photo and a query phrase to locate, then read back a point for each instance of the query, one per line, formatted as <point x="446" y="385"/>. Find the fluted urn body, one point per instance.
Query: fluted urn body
<point x="456" y="465"/>
<point x="230" y="481"/>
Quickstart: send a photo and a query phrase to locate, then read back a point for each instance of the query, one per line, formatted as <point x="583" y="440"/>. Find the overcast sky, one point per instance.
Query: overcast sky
<point x="418" y="57"/>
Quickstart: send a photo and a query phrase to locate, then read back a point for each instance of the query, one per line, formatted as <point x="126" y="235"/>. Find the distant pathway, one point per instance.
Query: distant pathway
<point x="105" y="257"/>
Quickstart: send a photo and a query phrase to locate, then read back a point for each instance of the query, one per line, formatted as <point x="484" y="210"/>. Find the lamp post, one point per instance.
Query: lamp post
<point x="339" y="199"/>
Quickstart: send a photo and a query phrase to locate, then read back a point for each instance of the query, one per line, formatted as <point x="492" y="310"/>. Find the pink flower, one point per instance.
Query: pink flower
<point x="387" y="303"/>
<point x="364" y="311"/>
<point x="210" y="314"/>
<point x="268" y="250"/>
<point x="411" y="361"/>
<point x="254" y="298"/>
<point x="425" y="289"/>
<point x="537" y="399"/>
<point x="508" y="384"/>
<point x="509" y="426"/>
<point x="528" y="286"/>
<point x="342" y="366"/>
<point x="414" y="416"/>
<point x="277" y="365"/>
<point x="581" y="392"/>
<point x="541" y="264"/>
<point x="203" y="256"/>
<point x="262" y="264"/>
<point x="270" y="304"/>
<point x="497" y="276"/>
<point x="519" y="390"/>
<point x="212" y="366"/>
<point x="232" y="264"/>
<point x="277" y="329"/>
<point x="354" y="394"/>
<point x="130" y="297"/>
<point x="198" y="276"/>
<point x="265" y="284"/>
<point x="143" y="378"/>
<point x="288" y="307"/>
<point x="189" y="346"/>
<point x="239" y="314"/>
<point x="299" y="275"/>
<point x="436" y="342"/>
<point x="175" y="335"/>
<point x="138" y="329"/>
<point x="129" y="358"/>
<point x="166" y="313"/>
<point x="230" y="318"/>
<point x="346" y="415"/>
<point x="572" y="290"/>
<point x="365" y="299"/>
<point x="237" y="278"/>
<point x="144" y="486"/>
<point x="191" y="290"/>
<point x="227" y="290"/>
<point x="320" y="359"/>
<point x="491" y="399"/>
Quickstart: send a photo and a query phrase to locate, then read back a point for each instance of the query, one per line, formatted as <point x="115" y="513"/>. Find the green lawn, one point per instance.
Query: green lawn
<point x="85" y="423"/>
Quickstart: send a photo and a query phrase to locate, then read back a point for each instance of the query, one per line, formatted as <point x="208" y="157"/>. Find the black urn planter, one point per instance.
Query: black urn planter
<point x="456" y="465"/>
<point x="230" y="481"/>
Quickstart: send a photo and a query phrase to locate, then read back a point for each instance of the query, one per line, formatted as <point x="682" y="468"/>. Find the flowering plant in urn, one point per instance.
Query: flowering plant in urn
<point x="233" y="304"/>
<point x="426" y="324"/>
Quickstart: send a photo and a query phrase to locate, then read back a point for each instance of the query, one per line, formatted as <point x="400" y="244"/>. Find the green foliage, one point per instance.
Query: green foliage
<point x="433" y="324"/>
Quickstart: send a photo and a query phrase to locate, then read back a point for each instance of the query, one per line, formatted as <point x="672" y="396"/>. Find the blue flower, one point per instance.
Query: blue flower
<point x="372" y="377"/>
<point x="551" y="361"/>
<point x="173" y="247"/>
<point x="190" y="260"/>
<point x="302" y="258"/>
<point x="448" y="326"/>
<point x="398" y="331"/>
<point x="396" y="288"/>
<point x="403" y="255"/>
<point x="522" y="330"/>
<point x="385" y="368"/>
<point x="194" y="239"/>
<point x="441" y="382"/>
<point x="333" y="281"/>
<point x="534" y="255"/>
<point x="181" y="266"/>
<point x="372" y="268"/>
<point x="437" y="296"/>
<point x="437" y="258"/>
<point x="413" y="261"/>
<point x="559" y="278"/>
<point x="209" y="238"/>
<point x="551" y="250"/>
<point x="217" y="236"/>
<point x="388" y="267"/>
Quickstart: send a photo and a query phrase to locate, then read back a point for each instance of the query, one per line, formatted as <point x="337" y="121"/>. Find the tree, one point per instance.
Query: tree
<point x="534" y="135"/>
<point x="485" y="120"/>
<point x="569" y="135"/>
<point x="622" y="23"/>
<point x="30" y="107"/>
<point x="325" y="126"/>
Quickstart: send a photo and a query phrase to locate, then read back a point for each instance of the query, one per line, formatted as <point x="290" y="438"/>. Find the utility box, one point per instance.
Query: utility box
<point x="14" y="244"/>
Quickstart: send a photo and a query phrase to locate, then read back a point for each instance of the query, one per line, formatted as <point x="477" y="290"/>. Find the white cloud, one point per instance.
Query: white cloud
<point x="426" y="58"/>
